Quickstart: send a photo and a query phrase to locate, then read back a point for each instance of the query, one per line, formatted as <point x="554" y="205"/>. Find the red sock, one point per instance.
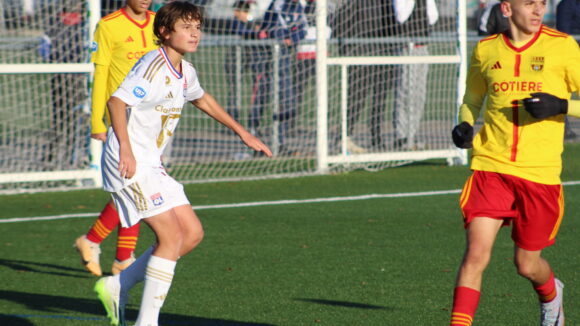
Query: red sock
<point x="465" y="301"/>
<point x="547" y="291"/>
<point x="107" y="222"/>
<point x="127" y="241"/>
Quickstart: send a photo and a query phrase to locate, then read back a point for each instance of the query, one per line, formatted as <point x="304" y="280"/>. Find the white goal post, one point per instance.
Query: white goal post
<point x="303" y="109"/>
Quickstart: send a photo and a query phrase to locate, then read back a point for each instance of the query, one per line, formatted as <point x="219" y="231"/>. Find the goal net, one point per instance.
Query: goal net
<point x="43" y="94"/>
<point x="394" y="81"/>
<point x="336" y="87"/>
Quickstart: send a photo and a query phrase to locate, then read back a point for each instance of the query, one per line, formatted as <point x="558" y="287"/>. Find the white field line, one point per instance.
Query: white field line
<point x="269" y="203"/>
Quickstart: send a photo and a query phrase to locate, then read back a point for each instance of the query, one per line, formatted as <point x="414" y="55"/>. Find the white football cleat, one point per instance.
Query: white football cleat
<point x="552" y="313"/>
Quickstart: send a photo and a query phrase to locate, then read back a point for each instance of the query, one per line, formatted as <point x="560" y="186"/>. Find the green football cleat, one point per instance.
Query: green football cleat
<point x="108" y="289"/>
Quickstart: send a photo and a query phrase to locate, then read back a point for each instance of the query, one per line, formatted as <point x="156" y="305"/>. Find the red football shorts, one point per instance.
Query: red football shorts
<point x="536" y="209"/>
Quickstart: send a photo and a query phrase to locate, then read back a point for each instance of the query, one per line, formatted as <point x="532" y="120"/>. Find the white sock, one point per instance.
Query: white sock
<point x="157" y="283"/>
<point x="133" y="274"/>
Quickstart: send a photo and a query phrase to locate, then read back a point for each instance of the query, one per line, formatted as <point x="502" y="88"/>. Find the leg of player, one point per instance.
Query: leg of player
<point x="88" y="245"/>
<point x="178" y="231"/>
<point x="532" y="266"/>
<point x="481" y="234"/>
<point x="126" y="243"/>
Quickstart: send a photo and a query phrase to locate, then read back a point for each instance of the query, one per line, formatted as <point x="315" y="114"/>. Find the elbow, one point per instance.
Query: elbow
<point x="112" y="101"/>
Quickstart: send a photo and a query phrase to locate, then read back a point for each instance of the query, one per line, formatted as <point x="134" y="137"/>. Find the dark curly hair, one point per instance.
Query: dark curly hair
<point x="171" y="12"/>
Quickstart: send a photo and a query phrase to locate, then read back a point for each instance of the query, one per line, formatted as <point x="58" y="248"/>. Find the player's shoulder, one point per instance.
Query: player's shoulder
<point x="112" y="17"/>
<point x="151" y="64"/>
<point x="490" y="40"/>
<point x="189" y="69"/>
<point x="488" y="44"/>
<point x="187" y="65"/>
<point x="553" y="33"/>
<point x="555" y="39"/>
<point x="151" y="60"/>
<point x="153" y="57"/>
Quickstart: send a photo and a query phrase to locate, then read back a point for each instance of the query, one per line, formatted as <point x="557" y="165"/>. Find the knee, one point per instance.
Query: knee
<point x="191" y="240"/>
<point x="476" y="260"/>
<point x="525" y="268"/>
<point x="196" y="237"/>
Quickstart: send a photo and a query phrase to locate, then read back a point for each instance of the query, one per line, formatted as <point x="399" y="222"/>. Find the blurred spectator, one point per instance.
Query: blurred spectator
<point x="65" y="44"/>
<point x="353" y="22"/>
<point x="286" y="22"/>
<point x="414" y="19"/>
<point x="305" y="66"/>
<point x="255" y="57"/>
<point x="492" y="20"/>
<point x="568" y="17"/>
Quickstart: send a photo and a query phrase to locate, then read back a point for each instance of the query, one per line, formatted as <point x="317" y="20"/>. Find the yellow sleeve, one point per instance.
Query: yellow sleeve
<point x="475" y="91"/>
<point x="572" y="70"/>
<point x="574" y="108"/>
<point x="98" y="99"/>
<point x="104" y="47"/>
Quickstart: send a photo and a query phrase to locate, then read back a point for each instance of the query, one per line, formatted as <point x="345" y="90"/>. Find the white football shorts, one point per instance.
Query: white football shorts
<point x="153" y="193"/>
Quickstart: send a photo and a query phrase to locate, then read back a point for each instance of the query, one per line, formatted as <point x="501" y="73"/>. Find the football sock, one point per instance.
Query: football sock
<point x="107" y="221"/>
<point x="126" y="242"/>
<point x="465" y="301"/>
<point x="547" y="292"/>
<point x="157" y="283"/>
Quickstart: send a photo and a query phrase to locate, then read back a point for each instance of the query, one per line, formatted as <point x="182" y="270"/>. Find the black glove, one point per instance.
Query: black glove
<point x="462" y="135"/>
<point x="544" y="105"/>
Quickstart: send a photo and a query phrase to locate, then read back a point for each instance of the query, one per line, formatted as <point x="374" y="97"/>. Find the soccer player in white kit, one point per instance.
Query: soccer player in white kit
<point x="144" y="113"/>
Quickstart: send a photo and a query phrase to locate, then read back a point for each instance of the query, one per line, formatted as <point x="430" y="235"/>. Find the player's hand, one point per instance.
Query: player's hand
<point x="127" y="163"/>
<point x="102" y="136"/>
<point x="462" y="135"/>
<point x="255" y="144"/>
<point x="544" y="105"/>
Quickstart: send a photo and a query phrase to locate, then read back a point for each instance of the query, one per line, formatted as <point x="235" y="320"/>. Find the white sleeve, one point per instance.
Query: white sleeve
<point x="134" y="87"/>
<point x="194" y="90"/>
<point x="403" y="9"/>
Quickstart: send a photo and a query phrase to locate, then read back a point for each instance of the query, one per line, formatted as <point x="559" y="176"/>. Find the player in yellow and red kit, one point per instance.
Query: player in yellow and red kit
<point x="121" y="39"/>
<point x="527" y="75"/>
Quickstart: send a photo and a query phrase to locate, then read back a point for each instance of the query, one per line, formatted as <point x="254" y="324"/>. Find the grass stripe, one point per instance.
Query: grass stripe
<point x="271" y="203"/>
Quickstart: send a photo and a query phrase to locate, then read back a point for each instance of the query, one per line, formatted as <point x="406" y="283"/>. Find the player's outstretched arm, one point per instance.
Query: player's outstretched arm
<point x="98" y="100"/>
<point x="127" y="162"/>
<point x="544" y="105"/>
<point x="211" y="107"/>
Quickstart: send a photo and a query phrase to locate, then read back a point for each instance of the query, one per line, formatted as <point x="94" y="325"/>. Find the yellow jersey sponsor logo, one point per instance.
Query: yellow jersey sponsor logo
<point x="517" y="86"/>
<point x="135" y="55"/>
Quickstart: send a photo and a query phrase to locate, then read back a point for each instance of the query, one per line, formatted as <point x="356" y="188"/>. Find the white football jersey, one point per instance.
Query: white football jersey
<point x="155" y="93"/>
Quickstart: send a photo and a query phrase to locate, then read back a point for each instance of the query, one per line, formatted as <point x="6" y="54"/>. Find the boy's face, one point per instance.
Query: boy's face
<point x="525" y="15"/>
<point x="185" y="36"/>
<point x="139" y="6"/>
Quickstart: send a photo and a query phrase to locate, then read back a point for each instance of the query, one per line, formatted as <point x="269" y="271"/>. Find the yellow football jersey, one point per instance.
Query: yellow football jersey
<point x="511" y="141"/>
<point x="119" y="42"/>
